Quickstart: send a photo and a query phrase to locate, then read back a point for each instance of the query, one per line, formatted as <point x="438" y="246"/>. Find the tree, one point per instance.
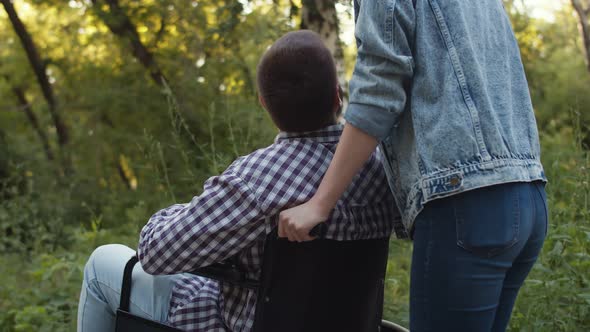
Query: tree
<point x="582" y="7"/>
<point x="321" y="16"/>
<point x="39" y="67"/>
<point x="27" y="108"/>
<point x="121" y="25"/>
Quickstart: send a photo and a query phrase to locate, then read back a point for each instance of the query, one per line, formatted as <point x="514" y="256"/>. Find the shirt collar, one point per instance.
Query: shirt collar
<point x="330" y="134"/>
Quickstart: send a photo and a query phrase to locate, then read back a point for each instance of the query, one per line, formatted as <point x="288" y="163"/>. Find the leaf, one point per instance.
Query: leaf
<point x="557" y="249"/>
<point x="585" y="296"/>
<point x="534" y="282"/>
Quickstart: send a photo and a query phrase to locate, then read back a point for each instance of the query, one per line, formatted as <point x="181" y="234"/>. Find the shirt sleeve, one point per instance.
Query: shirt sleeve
<point x="225" y="219"/>
<point x="384" y="33"/>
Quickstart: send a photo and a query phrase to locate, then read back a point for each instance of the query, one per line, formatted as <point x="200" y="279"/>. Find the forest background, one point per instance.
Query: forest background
<point x="92" y="142"/>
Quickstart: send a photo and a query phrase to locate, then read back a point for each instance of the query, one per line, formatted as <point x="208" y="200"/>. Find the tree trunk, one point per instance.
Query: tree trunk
<point x="26" y="107"/>
<point x="4" y="169"/>
<point x="321" y="16"/>
<point x="584" y="14"/>
<point x="39" y="68"/>
<point x="120" y="24"/>
<point x="232" y="11"/>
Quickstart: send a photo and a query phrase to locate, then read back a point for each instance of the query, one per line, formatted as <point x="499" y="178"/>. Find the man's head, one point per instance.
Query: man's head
<point x="297" y="83"/>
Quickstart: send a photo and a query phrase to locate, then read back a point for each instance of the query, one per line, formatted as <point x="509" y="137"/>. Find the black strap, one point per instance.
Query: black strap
<point x="126" y="287"/>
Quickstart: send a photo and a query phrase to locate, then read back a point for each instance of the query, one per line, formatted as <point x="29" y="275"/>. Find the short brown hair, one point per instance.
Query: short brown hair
<point x="297" y="81"/>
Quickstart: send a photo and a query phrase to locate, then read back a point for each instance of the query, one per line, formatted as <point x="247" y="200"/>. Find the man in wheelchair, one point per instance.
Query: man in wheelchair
<point x="298" y="87"/>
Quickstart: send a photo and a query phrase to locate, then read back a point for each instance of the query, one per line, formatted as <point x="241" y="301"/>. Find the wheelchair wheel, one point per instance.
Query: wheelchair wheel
<point x="387" y="326"/>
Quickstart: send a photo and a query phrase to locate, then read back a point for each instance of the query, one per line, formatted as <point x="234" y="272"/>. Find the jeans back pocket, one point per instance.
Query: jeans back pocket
<point x="488" y="219"/>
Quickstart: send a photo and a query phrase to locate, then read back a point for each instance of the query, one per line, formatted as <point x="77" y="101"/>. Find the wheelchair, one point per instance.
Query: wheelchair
<point x="321" y="285"/>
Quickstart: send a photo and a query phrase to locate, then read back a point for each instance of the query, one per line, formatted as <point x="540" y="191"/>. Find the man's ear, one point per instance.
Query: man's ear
<point x="262" y="102"/>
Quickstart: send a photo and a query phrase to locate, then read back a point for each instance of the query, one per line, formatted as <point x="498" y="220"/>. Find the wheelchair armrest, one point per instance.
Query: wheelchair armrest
<point x="227" y="272"/>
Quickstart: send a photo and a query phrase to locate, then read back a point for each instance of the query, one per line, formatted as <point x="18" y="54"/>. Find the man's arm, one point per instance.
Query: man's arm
<point x="222" y="221"/>
<point x="383" y="70"/>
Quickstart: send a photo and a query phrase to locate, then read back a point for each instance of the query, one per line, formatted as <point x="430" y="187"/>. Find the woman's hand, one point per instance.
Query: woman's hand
<point x="296" y="223"/>
<point x="353" y="151"/>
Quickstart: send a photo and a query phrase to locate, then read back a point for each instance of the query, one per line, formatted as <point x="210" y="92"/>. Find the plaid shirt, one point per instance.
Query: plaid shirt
<point x="239" y="207"/>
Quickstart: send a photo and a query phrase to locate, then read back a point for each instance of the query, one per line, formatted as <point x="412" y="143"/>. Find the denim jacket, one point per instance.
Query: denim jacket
<point x="441" y="84"/>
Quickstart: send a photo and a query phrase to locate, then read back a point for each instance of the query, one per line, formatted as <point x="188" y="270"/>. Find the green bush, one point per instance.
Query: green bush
<point x="556" y="296"/>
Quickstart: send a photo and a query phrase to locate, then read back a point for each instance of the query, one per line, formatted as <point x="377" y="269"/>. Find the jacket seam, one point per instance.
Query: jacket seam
<point x="458" y="69"/>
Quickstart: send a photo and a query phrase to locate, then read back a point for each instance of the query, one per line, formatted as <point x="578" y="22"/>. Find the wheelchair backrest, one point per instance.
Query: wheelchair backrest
<point x="322" y="285"/>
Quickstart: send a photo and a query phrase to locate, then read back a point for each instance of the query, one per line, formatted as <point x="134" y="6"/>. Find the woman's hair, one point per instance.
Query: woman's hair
<point x="297" y="81"/>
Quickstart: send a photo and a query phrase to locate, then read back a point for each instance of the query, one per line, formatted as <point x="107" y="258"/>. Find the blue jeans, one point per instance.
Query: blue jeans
<point x="101" y="290"/>
<point x="472" y="253"/>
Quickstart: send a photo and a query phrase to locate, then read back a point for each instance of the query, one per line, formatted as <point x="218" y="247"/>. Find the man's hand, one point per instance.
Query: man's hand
<point x="296" y="223"/>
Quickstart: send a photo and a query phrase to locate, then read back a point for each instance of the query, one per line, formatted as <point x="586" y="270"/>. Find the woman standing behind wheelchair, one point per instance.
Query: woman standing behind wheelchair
<point x="439" y="85"/>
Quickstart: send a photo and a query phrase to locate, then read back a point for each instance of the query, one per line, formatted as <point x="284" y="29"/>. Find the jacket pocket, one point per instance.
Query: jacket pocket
<point x="488" y="219"/>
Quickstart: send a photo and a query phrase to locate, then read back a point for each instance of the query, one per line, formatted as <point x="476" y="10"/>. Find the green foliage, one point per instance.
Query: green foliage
<point x="555" y="65"/>
<point x="39" y="291"/>
<point x="556" y="297"/>
<point x="397" y="283"/>
<point x="137" y="147"/>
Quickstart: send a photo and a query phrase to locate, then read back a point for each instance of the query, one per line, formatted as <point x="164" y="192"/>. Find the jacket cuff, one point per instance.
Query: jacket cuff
<point x="374" y="121"/>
